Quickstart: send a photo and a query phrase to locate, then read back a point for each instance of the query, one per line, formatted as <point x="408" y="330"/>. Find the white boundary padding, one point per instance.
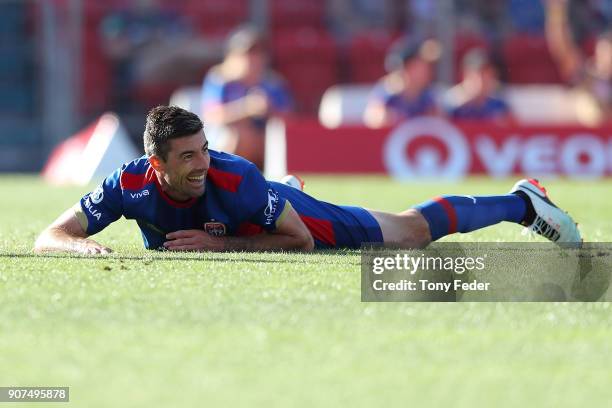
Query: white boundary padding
<point x="541" y="104"/>
<point x="108" y="148"/>
<point x="91" y="154"/>
<point x="96" y="147"/>
<point x="275" y="161"/>
<point x="530" y="104"/>
<point x="343" y="105"/>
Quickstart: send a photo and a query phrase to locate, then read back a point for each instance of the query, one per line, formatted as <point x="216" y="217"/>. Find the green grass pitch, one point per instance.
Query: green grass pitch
<point x="147" y="329"/>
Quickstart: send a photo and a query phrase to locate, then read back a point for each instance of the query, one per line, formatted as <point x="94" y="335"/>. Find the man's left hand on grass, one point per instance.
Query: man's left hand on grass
<point x="193" y="240"/>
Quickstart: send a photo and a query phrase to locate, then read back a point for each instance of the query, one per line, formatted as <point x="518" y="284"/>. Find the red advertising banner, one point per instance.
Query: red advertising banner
<point x="433" y="147"/>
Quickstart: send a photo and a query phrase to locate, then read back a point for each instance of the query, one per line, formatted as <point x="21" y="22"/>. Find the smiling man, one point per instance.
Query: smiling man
<point x="185" y="197"/>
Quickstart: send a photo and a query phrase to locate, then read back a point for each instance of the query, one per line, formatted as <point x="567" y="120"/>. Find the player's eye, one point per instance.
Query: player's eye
<point x="187" y="156"/>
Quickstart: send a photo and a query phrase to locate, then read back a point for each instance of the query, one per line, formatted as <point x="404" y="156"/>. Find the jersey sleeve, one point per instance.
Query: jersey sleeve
<point x="104" y="205"/>
<point x="430" y="102"/>
<point x="280" y="97"/>
<point x="501" y="107"/>
<point x="259" y="202"/>
<point x="212" y="93"/>
<point x="380" y="93"/>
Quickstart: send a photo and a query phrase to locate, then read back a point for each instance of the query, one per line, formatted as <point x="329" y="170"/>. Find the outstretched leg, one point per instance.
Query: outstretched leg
<point x="447" y="214"/>
<point x="527" y="204"/>
<point x="441" y="216"/>
<point x="408" y="229"/>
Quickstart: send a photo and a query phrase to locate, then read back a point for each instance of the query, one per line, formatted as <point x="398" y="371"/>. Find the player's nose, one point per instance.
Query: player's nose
<point x="203" y="161"/>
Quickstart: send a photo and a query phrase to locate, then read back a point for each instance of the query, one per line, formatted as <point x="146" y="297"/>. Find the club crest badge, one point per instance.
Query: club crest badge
<point x="216" y="229"/>
<point x="97" y="196"/>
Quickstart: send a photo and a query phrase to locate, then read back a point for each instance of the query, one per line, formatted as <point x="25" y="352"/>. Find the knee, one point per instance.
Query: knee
<point x="418" y="234"/>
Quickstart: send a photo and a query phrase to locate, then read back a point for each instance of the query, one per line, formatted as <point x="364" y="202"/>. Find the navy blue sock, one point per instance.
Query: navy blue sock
<point x="449" y="214"/>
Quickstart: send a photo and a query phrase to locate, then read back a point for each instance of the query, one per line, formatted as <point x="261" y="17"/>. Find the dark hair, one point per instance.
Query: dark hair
<point x="244" y="38"/>
<point x="404" y="50"/>
<point x="165" y="123"/>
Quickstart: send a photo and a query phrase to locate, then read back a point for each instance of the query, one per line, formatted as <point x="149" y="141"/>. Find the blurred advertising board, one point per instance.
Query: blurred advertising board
<point x="429" y="147"/>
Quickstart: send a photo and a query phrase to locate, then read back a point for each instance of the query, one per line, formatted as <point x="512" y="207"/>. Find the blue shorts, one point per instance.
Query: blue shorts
<point x="332" y="226"/>
<point x="357" y="226"/>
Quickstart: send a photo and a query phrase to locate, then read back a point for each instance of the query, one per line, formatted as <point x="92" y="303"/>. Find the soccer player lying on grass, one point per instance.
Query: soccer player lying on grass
<point x="185" y="197"/>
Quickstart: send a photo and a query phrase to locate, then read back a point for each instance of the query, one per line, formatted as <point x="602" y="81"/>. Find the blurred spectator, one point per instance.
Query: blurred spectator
<point x="588" y="18"/>
<point x="405" y="92"/>
<point x="603" y="9"/>
<point x="241" y="93"/>
<point x="590" y="77"/>
<point x="477" y="96"/>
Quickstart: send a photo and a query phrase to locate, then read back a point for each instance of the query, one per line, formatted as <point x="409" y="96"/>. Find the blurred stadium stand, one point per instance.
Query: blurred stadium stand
<point x="308" y="59"/>
<point x="296" y="14"/>
<point x="306" y="48"/>
<point x="214" y="17"/>
<point x="528" y="61"/>
<point x="19" y="125"/>
<point x="366" y="55"/>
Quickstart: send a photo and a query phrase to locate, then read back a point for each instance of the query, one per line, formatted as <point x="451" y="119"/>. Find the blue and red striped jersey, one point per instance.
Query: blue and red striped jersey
<point x="237" y="201"/>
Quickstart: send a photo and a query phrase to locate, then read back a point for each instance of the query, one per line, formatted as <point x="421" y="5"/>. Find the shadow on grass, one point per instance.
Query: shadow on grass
<point x="151" y="256"/>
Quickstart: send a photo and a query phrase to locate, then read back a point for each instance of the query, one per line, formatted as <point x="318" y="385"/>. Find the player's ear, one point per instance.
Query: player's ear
<point x="156" y="162"/>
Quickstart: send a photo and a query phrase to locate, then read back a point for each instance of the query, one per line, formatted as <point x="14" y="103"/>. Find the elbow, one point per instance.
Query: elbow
<point x="375" y="115"/>
<point x="306" y="243"/>
<point x="50" y="240"/>
<point x="372" y="120"/>
<point x="42" y="242"/>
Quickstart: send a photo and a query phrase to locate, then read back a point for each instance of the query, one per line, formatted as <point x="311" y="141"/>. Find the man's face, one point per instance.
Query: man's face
<point x="482" y="81"/>
<point x="183" y="173"/>
<point x="419" y="72"/>
<point x="257" y="59"/>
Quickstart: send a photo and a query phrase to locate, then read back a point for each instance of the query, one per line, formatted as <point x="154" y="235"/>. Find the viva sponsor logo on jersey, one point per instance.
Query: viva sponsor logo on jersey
<point x="140" y="194"/>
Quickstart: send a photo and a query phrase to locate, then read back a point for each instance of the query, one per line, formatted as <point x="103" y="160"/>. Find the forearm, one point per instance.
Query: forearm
<point x="558" y="33"/>
<point x="290" y="234"/>
<point x="198" y="240"/>
<point x="57" y="240"/>
<point x="268" y="242"/>
<point x="228" y="113"/>
<point x="225" y="114"/>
